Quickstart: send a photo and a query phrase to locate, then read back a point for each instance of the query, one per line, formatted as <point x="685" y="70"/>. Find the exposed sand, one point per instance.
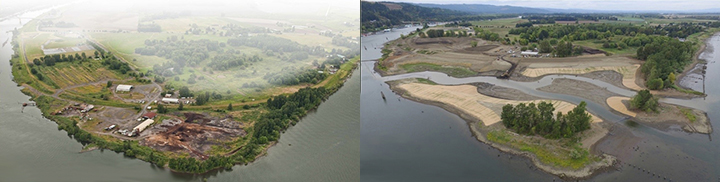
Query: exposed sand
<point x="467" y="99"/>
<point x="616" y="103"/>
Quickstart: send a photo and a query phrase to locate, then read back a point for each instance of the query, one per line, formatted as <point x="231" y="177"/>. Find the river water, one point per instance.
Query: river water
<point x="409" y="141"/>
<point x="325" y="144"/>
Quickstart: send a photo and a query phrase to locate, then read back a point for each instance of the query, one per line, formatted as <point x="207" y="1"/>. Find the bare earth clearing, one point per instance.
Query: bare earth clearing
<point x="447" y="51"/>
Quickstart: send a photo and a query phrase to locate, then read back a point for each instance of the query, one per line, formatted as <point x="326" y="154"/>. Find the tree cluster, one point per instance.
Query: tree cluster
<point x="539" y="120"/>
<point x="181" y="52"/>
<point x="275" y="44"/>
<point x="286" y="109"/>
<point x="287" y="76"/>
<point x="645" y="101"/>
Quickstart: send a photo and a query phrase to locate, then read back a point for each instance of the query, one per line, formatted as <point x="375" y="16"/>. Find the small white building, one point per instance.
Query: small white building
<point x="123" y="88"/>
<point x="529" y="53"/>
<point x="170" y="100"/>
<point x="139" y="128"/>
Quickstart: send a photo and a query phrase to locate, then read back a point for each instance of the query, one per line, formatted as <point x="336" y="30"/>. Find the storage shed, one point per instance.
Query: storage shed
<point x="139" y="128"/>
<point x="123" y="88"/>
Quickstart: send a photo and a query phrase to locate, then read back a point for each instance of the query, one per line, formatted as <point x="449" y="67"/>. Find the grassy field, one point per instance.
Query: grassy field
<point x="345" y="69"/>
<point x="65" y="74"/>
<point x="496" y="24"/>
<point x="457" y="72"/>
<point x="65" y="42"/>
<point x="548" y="154"/>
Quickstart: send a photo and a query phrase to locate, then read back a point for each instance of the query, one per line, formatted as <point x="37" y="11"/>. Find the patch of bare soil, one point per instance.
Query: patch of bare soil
<point x="578" y="88"/>
<point x="502" y="92"/>
<point x="670" y="115"/>
<point x="195" y="135"/>
<point x="479" y="48"/>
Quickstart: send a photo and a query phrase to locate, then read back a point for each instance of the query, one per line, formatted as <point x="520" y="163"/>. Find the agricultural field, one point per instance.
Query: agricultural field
<point x="69" y="74"/>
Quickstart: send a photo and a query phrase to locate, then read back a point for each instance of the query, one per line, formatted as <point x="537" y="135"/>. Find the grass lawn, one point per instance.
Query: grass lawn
<point x="558" y="156"/>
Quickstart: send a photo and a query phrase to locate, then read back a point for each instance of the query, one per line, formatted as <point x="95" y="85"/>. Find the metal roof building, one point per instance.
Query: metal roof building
<point x="171" y="100"/>
<point x="143" y="125"/>
<point x="150" y="115"/>
<point x="529" y="53"/>
<point x="123" y="88"/>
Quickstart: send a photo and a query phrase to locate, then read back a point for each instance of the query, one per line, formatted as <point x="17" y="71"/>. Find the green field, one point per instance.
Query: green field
<point x="558" y="156"/>
<point x="65" y="42"/>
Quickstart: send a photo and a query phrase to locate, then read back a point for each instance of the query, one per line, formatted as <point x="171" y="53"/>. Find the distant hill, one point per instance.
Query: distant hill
<point x="488" y="9"/>
<point x="378" y="15"/>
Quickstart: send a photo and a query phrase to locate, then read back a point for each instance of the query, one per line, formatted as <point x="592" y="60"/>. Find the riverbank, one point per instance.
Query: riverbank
<point x="482" y="115"/>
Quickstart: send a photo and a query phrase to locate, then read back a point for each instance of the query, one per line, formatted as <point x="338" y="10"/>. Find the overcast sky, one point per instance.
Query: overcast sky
<point x="590" y="4"/>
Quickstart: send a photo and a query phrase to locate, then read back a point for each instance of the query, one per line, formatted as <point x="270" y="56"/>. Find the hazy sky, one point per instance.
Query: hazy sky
<point x="591" y="4"/>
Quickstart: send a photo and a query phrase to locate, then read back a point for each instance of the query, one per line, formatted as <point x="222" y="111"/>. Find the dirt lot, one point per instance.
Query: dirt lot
<point x="195" y="135"/>
<point x="122" y="117"/>
<point x="582" y="89"/>
<point x="502" y="92"/>
<point x="139" y="93"/>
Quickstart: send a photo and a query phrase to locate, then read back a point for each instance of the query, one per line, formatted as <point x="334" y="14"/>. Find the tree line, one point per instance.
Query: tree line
<point x="663" y="57"/>
<point x="531" y="119"/>
<point x="294" y="77"/>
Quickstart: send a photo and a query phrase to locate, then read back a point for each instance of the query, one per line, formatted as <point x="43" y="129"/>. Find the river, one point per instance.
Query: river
<point x="325" y="144"/>
<point x="409" y="141"/>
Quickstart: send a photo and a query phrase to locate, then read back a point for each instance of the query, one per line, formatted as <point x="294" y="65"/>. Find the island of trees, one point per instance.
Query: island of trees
<point x="532" y="119"/>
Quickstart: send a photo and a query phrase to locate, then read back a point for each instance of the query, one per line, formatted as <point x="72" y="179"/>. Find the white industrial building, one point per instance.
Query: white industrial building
<point x="529" y="53"/>
<point x="170" y="100"/>
<point x="139" y="128"/>
<point x="123" y="88"/>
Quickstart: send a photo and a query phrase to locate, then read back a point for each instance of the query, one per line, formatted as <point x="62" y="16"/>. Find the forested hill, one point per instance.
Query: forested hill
<point x="380" y="15"/>
<point x="487" y="9"/>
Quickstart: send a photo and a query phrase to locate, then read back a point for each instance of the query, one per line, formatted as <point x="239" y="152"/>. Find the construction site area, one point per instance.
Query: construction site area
<point x="178" y="132"/>
<point x="477" y="57"/>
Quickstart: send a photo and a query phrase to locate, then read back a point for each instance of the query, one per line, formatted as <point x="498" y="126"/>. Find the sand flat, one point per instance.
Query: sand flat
<point x="616" y="103"/>
<point x="467" y="99"/>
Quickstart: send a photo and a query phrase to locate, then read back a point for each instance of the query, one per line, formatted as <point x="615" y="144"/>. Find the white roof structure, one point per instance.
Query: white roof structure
<point x="529" y="53"/>
<point x="143" y="125"/>
<point x="170" y="100"/>
<point x="124" y="88"/>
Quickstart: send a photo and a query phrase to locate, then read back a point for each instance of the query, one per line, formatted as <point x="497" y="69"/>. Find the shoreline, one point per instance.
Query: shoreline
<point x="479" y="132"/>
<point x="696" y="59"/>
